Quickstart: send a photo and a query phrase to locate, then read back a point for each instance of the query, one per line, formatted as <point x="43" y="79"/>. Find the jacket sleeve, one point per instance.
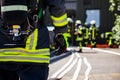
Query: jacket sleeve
<point x="58" y="15"/>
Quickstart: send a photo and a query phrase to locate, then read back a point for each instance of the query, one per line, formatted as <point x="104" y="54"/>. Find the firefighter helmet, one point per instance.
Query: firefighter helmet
<point x="92" y="22"/>
<point x="78" y="22"/>
<point x="70" y="20"/>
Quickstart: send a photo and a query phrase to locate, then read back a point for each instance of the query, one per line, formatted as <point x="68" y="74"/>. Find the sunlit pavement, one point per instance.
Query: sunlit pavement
<point x="92" y="64"/>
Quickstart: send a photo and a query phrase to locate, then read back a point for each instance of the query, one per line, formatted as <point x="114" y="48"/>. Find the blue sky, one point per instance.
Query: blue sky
<point x="93" y="15"/>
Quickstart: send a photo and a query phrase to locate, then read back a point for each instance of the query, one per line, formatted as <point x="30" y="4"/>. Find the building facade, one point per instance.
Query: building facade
<point x="81" y="7"/>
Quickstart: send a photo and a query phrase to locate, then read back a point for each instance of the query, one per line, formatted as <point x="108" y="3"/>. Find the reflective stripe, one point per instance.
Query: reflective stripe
<point x="14" y="8"/>
<point x="27" y="54"/>
<point x="93" y="33"/>
<point x="31" y="42"/>
<point x="66" y="35"/>
<point x="18" y="51"/>
<point x="86" y="34"/>
<point x="60" y="21"/>
<point x="24" y="59"/>
<point x="23" y="55"/>
<point x="37" y="1"/>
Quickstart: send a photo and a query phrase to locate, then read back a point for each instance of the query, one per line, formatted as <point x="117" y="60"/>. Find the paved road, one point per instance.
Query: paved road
<point x="92" y="64"/>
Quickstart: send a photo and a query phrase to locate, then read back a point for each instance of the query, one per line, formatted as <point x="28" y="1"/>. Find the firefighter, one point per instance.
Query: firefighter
<point x="77" y="23"/>
<point x="28" y="57"/>
<point x="79" y="32"/>
<point x="109" y="38"/>
<point x="60" y="43"/>
<point x="86" y="33"/>
<point x="70" y="24"/>
<point x="93" y="32"/>
<point x="68" y="34"/>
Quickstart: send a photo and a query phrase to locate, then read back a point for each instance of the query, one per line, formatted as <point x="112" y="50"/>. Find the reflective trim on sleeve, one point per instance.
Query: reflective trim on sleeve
<point x="14" y="8"/>
<point x="60" y="21"/>
<point x="37" y="1"/>
<point x="31" y="42"/>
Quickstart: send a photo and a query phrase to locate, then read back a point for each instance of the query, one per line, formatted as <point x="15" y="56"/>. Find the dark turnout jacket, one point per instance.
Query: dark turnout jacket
<point x="35" y="48"/>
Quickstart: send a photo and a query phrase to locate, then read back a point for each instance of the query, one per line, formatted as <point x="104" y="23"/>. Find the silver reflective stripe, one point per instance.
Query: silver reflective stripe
<point x="14" y="8"/>
<point x="31" y="41"/>
<point x="60" y="21"/>
<point x="44" y="52"/>
<point x="22" y="58"/>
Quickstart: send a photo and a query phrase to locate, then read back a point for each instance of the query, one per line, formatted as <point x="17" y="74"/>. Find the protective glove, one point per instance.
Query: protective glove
<point x="59" y="43"/>
<point x="59" y="40"/>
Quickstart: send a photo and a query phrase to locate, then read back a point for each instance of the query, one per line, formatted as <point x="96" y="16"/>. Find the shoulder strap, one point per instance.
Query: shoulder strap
<point x="41" y="6"/>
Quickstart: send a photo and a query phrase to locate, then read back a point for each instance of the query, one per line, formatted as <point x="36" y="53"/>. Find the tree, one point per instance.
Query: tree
<point x="115" y="8"/>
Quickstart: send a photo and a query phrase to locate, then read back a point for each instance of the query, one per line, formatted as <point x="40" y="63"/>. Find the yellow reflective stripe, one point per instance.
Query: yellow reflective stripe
<point x="34" y="61"/>
<point x="60" y="21"/>
<point x="64" y="16"/>
<point x="35" y="39"/>
<point x="14" y="8"/>
<point x="87" y="32"/>
<point x="17" y="51"/>
<point x="23" y="55"/>
<point x="31" y="42"/>
<point x="24" y="59"/>
<point x="27" y="46"/>
<point x="93" y="33"/>
<point x="59" y="24"/>
<point x="65" y="35"/>
<point x="37" y="1"/>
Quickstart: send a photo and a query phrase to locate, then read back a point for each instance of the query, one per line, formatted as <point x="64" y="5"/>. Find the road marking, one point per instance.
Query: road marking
<point x="77" y="71"/>
<point x="88" y="69"/>
<point x="64" y="67"/>
<point x="60" y="73"/>
<point x="69" y="65"/>
<point x="77" y="54"/>
<point x="68" y="69"/>
<point x="55" y="57"/>
<point x="107" y="51"/>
